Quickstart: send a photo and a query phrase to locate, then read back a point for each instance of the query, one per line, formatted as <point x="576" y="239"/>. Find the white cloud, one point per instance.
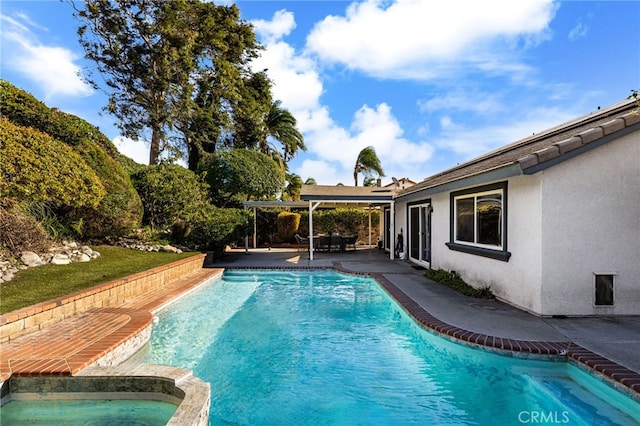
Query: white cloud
<point x="296" y="82"/>
<point x="332" y="149"/>
<point x="420" y="39"/>
<point x="464" y="100"/>
<point x="52" y="68"/>
<point x="579" y="31"/>
<point x="279" y="26"/>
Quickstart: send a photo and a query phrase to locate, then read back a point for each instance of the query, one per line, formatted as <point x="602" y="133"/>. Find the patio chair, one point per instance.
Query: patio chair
<point x="350" y="241"/>
<point x="302" y="242"/>
<point x="336" y="243"/>
<point x="322" y="243"/>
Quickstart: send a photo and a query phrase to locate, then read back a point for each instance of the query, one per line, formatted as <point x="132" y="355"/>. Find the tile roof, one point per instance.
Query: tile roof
<point x="542" y="149"/>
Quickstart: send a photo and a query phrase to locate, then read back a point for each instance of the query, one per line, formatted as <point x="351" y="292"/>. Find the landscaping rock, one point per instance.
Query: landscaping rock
<point x="31" y="259"/>
<point x="170" y="249"/>
<point x="82" y="257"/>
<point x="70" y="252"/>
<point x="60" y="259"/>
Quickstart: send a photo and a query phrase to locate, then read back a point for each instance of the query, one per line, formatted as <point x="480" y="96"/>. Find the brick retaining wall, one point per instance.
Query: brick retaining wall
<point x="111" y="294"/>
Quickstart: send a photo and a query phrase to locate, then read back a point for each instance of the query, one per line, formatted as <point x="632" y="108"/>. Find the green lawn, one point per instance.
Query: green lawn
<point x="47" y="282"/>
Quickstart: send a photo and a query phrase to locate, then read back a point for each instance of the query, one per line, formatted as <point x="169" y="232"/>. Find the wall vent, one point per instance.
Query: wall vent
<point x="604" y="289"/>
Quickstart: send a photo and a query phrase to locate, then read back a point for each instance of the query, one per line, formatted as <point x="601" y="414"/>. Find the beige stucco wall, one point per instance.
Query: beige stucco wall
<point x="516" y="281"/>
<point x="565" y="224"/>
<point x="591" y="224"/>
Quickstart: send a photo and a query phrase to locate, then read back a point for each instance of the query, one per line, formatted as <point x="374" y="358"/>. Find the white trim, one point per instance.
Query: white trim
<point x="475" y="196"/>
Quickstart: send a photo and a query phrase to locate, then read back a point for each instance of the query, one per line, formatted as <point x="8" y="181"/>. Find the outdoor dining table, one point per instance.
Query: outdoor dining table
<point x="332" y="243"/>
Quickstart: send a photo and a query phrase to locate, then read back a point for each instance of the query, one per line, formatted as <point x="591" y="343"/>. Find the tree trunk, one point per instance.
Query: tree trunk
<point x="154" y="149"/>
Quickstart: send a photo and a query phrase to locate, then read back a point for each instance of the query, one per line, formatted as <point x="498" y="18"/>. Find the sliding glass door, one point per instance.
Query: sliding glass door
<point x="420" y="232"/>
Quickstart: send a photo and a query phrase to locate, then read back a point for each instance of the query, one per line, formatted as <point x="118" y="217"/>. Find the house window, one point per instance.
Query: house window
<point x="478" y="221"/>
<point x="604" y="289"/>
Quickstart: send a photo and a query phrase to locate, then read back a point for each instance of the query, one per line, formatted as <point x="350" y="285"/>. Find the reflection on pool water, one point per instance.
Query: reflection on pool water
<point x="320" y="347"/>
<point x="87" y="412"/>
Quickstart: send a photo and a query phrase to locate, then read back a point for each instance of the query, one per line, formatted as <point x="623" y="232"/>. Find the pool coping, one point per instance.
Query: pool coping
<point x="618" y="376"/>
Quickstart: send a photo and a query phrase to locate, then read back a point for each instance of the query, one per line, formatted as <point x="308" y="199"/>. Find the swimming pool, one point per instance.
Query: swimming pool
<point x="320" y="347"/>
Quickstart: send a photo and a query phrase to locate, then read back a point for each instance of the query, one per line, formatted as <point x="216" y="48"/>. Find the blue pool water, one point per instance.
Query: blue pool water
<point x="319" y="347"/>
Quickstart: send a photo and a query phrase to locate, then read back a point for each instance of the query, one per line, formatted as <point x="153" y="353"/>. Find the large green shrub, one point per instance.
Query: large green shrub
<point x="241" y="174"/>
<point x="212" y="228"/>
<point x="120" y="209"/>
<point x="288" y="224"/>
<point x="170" y="194"/>
<point x="35" y="167"/>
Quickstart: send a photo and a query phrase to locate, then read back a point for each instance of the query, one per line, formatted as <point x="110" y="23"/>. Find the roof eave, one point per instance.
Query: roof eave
<point x="502" y="172"/>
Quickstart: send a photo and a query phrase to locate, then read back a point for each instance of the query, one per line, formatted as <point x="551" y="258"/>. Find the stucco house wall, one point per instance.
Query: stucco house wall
<point x="516" y="281"/>
<point x="572" y="204"/>
<point x="591" y="225"/>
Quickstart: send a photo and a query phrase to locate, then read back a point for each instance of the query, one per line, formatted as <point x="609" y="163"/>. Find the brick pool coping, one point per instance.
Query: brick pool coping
<point x="620" y="377"/>
<point x="101" y="325"/>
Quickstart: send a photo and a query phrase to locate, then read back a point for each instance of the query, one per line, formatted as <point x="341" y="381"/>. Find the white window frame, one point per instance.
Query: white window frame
<point x="475" y="196"/>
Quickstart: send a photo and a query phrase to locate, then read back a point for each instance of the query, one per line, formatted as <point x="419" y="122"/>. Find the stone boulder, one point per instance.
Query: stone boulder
<point x="31" y="259"/>
<point x="60" y="259"/>
<point x="170" y="249"/>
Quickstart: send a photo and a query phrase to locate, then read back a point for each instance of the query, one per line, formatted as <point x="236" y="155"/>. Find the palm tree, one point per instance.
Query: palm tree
<point x="292" y="191"/>
<point x="281" y="125"/>
<point x="367" y="162"/>
<point x="310" y="181"/>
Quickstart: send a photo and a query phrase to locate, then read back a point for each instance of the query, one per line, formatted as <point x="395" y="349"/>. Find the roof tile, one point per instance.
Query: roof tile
<point x="531" y="151"/>
<point x="528" y="161"/>
<point x="591" y="135"/>
<point x="613" y="126"/>
<point x="631" y="118"/>
<point x="569" y="144"/>
<point x="548" y="153"/>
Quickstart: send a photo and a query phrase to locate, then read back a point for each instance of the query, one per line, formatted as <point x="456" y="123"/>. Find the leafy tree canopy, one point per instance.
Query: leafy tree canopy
<point x="242" y="174"/>
<point x="171" y="68"/>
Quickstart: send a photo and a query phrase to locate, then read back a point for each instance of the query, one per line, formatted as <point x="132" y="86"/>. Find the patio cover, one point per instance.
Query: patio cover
<point x="325" y="196"/>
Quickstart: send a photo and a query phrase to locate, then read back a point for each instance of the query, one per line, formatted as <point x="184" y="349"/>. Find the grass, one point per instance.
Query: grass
<point x="35" y="285"/>
<point x="455" y="282"/>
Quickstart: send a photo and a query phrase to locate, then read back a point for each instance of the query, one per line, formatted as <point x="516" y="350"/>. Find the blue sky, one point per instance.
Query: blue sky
<point x="429" y="84"/>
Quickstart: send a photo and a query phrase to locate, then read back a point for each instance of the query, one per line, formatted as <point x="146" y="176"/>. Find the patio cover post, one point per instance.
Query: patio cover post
<point x="310" y="231"/>
<point x="246" y="240"/>
<point x="392" y="226"/>
<point x="369" y="226"/>
<point x="312" y="207"/>
<point x="255" y="227"/>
